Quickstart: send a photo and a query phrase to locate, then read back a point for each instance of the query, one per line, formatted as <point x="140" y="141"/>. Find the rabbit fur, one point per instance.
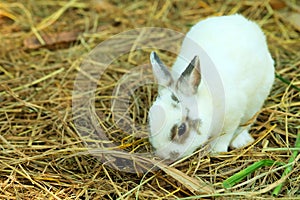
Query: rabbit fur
<point x="181" y="118"/>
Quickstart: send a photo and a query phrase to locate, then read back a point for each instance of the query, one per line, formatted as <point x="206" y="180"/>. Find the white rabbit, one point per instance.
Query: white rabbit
<point x="181" y="118"/>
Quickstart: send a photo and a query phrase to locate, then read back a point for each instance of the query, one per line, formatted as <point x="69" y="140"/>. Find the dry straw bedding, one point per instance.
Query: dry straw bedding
<point x="42" y="155"/>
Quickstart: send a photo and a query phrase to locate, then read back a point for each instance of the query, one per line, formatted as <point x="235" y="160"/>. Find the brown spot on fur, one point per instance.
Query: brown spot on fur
<point x="195" y="124"/>
<point x="174" y="155"/>
<point x="174" y="105"/>
<point x="174" y="98"/>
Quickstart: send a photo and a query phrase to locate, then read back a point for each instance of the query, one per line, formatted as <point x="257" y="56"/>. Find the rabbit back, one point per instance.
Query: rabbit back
<point x="239" y="52"/>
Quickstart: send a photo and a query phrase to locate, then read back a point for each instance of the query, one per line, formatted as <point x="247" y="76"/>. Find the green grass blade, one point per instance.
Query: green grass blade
<point x="286" y="82"/>
<point x="287" y="170"/>
<point x="231" y="181"/>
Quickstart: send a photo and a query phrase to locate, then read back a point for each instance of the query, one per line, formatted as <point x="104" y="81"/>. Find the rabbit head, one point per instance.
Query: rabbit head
<point x="175" y="124"/>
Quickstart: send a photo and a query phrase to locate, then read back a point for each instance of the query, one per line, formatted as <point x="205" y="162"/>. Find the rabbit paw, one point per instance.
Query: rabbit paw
<point x="241" y="140"/>
<point x="217" y="148"/>
<point x="220" y="144"/>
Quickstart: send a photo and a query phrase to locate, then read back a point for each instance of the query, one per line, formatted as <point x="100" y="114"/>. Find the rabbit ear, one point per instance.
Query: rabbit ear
<point x="160" y="71"/>
<point x="190" y="79"/>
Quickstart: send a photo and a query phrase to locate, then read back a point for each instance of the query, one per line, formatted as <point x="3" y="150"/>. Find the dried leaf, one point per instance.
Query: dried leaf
<point x="277" y="4"/>
<point x="194" y="185"/>
<point x="51" y="39"/>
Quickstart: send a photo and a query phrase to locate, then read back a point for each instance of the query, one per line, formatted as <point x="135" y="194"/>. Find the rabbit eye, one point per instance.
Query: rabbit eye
<point x="177" y="132"/>
<point x="181" y="129"/>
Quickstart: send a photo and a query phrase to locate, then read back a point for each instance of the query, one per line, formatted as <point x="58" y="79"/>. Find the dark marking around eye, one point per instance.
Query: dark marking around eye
<point x="174" y="132"/>
<point x="181" y="129"/>
<point x="174" y="98"/>
<point x="179" y="133"/>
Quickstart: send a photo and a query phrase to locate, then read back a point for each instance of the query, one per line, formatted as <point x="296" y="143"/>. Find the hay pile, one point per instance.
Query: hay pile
<point x="42" y="154"/>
